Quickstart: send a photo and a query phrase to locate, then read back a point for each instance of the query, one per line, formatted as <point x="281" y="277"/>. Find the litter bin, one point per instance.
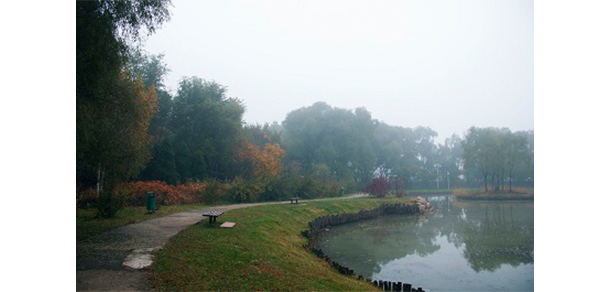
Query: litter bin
<point x="150" y="202"/>
<point x="342" y="191"/>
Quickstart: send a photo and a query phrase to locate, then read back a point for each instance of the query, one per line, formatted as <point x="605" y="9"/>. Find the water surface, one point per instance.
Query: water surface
<point x="466" y="246"/>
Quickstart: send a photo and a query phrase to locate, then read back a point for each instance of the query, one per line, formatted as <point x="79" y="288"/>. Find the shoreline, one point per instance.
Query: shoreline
<point x="506" y="196"/>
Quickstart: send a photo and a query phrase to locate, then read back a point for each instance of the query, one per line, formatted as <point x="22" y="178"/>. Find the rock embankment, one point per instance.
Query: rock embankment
<point x="423" y="205"/>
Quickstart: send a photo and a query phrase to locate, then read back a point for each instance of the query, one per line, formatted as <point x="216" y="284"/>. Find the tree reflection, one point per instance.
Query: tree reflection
<point x="497" y="239"/>
<point x="363" y="246"/>
<point x="488" y="234"/>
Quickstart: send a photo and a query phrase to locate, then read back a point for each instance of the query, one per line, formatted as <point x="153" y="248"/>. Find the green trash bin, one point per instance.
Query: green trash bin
<point x="342" y="191"/>
<point x="150" y="202"/>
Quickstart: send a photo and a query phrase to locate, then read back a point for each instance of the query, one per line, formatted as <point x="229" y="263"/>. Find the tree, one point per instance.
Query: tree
<point x="207" y="130"/>
<point x="426" y="152"/>
<point x="478" y="148"/>
<point x="265" y="164"/>
<point x="162" y="166"/>
<point x="495" y="153"/>
<point x="260" y="135"/>
<point x="450" y="159"/>
<point x="517" y="154"/>
<point x="113" y="110"/>
<point x="151" y="69"/>
<point x="394" y="148"/>
<point x="117" y="138"/>
<point x="338" y="138"/>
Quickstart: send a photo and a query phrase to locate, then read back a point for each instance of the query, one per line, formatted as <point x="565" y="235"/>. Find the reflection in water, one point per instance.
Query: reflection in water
<point x="465" y="246"/>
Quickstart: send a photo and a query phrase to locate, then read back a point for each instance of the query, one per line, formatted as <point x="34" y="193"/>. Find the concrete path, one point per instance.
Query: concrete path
<point x="116" y="260"/>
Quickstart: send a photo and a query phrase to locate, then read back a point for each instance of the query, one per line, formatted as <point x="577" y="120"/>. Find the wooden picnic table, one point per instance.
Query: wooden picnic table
<point x="212" y="215"/>
<point x="295" y="199"/>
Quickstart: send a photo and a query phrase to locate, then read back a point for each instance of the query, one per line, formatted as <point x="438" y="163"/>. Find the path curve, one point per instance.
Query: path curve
<point x="100" y="260"/>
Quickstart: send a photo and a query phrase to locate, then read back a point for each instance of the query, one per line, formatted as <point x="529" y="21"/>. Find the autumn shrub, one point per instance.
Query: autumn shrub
<point x="378" y="187"/>
<point x="165" y="194"/>
<point x="137" y="191"/>
<point x="186" y="193"/>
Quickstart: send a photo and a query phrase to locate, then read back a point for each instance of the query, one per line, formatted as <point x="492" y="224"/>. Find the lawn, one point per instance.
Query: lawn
<point x="264" y="251"/>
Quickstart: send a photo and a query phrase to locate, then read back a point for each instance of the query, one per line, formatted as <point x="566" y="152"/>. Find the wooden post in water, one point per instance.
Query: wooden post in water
<point x="399" y="286"/>
<point x="406" y="287"/>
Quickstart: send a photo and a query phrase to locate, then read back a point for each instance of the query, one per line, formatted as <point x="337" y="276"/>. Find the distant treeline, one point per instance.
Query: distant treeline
<point x="131" y="128"/>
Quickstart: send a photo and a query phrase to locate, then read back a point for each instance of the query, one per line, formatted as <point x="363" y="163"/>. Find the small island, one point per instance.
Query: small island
<point x="513" y="195"/>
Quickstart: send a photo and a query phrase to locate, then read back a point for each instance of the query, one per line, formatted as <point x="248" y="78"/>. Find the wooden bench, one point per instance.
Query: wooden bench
<point x="295" y="200"/>
<point x="212" y="215"/>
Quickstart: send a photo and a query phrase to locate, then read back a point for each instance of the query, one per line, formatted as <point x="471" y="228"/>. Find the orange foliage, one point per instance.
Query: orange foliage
<point x="266" y="163"/>
<point x="187" y="193"/>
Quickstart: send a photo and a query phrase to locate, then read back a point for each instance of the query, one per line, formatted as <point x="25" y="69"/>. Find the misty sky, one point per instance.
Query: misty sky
<point x="447" y="65"/>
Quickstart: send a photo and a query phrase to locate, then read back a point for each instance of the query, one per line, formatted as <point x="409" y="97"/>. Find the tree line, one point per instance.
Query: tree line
<point x="498" y="155"/>
<point x="131" y="128"/>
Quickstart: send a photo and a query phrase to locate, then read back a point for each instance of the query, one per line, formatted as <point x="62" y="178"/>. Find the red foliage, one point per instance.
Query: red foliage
<point x="187" y="193"/>
<point x="378" y="187"/>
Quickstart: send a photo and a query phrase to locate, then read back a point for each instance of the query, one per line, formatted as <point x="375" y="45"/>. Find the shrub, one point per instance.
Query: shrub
<point x="378" y="187"/>
<point x="212" y="193"/>
<point x="110" y="202"/>
<point x="277" y="189"/>
<point x="187" y="193"/>
<point x="245" y="191"/>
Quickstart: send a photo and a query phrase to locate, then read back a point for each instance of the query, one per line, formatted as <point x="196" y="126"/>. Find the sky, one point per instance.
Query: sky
<point x="447" y="65"/>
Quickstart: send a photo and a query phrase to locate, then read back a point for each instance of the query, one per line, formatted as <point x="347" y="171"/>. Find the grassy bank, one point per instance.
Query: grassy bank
<point x="88" y="225"/>
<point x="262" y="252"/>
<point x="516" y="194"/>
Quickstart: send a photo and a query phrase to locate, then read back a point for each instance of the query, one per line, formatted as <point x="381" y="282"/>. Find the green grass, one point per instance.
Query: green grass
<point x="518" y="193"/>
<point x="262" y="252"/>
<point x="88" y="225"/>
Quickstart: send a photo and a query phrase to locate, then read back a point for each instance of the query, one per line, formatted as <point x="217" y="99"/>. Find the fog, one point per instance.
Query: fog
<point x="447" y="65"/>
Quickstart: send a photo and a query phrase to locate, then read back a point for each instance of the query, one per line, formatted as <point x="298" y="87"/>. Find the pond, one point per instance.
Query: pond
<point x="465" y="246"/>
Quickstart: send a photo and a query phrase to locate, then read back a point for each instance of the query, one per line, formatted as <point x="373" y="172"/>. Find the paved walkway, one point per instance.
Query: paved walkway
<point x="100" y="261"/>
